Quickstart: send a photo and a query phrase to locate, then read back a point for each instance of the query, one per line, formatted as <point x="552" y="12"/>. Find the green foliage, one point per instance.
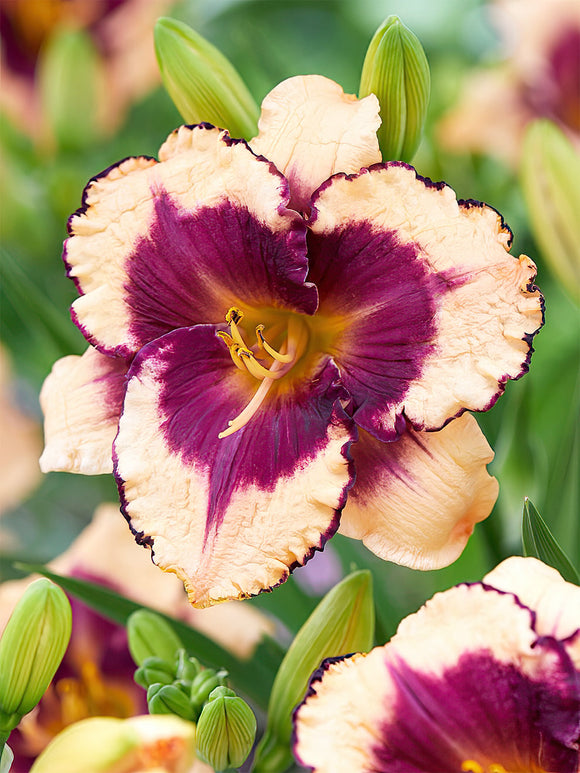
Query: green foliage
<point x="539" y="542"/>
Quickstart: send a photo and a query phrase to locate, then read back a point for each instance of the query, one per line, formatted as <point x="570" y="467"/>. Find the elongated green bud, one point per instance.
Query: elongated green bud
<point x="169" y="699"/>
<point x="342" y="623"/>
<point x="203" y="84"/>
<point x="396" y="70"/>
<point x="225" y="730"/>
<point x="69" y="84"/>
<point x="31" y="649"/>
<point x="550" y="177"/>
<point x="150" y="635"/>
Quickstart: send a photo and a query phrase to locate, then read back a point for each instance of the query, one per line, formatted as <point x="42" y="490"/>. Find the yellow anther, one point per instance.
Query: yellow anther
<point x="234" y="315"/>
<point x="271" y="351"/>
<point x="471" y="766"/>
<point x="233" y="349"/>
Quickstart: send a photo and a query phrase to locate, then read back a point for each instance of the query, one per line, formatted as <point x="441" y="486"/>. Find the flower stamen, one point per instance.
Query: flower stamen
<point x="263" y="344"/>
<point x="245" y="359"/>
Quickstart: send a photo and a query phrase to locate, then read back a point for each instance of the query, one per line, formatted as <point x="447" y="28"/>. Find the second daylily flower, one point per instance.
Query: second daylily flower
<point x="251" y="316"/>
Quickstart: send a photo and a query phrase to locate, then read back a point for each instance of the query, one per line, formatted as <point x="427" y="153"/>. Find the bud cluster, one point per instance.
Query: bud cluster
<point x="179" y="685"/>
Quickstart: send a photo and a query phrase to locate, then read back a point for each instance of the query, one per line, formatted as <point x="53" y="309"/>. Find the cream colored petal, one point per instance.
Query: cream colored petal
<point x="486" y="308"/>
<point x="81" y="400"/>
<point x="541" y="588"/>
<point x="311" y="129"/>
<point x="338" y="725"/>
<point x="417" y="500"/>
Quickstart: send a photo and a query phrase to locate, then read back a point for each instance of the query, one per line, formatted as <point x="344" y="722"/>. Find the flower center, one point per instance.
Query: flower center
<point x="246" y="358"/>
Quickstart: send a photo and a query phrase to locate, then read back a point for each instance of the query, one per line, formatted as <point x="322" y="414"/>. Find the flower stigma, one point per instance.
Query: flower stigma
<point x="246" y="358"/>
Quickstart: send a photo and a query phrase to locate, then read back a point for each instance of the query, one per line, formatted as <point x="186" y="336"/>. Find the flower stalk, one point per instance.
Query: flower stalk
<point x="343" y="622"/>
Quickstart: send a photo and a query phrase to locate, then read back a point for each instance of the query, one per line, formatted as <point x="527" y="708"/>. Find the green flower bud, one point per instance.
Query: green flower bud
<point x="550" y="177"/>
<point x="111" y="745"/>
<point x="31" y="649"/>
<point x="226" y="730"/>
<point x="69" y="84"/>
<point x="343" y="622"/>
<point x="396" y="70"/>
<point x="202" y="83"/>
<point x="154" y="670"/>
<point x="169" y="699"/>
<point x="203" y="684"/>
<point x="150" y="635"/>
<point x="186" y="668"/>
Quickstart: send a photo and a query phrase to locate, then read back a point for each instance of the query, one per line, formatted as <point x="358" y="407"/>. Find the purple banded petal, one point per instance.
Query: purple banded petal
<point x="540" y="587"/>
<point x="311" y="129"/>
<point x="81" y="400"/>
<point x="232" y="516"/>
<point x="158" y="246"/>
<point x="417" y="500"/>
<point x="449" y="319"/>
<point x="464" y="685"/>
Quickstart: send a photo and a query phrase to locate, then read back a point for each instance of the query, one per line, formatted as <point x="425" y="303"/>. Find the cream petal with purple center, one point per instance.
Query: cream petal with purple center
<point x="416" y="501"/>
<point x="311" y="129"/>
<point x="162" y="245"/>
<point x="230" y="512"/>
<point x="81" y="400"/>
<point x="465" y="685"/>
<point x="453" y="315"/>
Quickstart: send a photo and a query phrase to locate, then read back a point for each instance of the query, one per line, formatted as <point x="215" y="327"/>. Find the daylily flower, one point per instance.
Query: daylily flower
<point x="121" y="31"/>
<point x="250" y="316"/>
<point x="540" y="78"/>
<point x="159" y="744"/>
<point x="485" y="678"/>
<point x="96" y="674"/>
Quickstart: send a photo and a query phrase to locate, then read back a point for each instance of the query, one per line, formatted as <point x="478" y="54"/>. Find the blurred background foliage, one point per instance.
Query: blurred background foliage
<point x="533" y="428"/>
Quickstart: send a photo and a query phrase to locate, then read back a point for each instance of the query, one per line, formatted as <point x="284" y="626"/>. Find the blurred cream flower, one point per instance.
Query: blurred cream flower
<point x="153" y="743"/>
<point x="539" y="78"/>
<point x="122" y="34"/>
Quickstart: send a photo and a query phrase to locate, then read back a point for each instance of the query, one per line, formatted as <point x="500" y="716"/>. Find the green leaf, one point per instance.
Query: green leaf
<point x="539" y="542"/>
<point x="253" y="677"/>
